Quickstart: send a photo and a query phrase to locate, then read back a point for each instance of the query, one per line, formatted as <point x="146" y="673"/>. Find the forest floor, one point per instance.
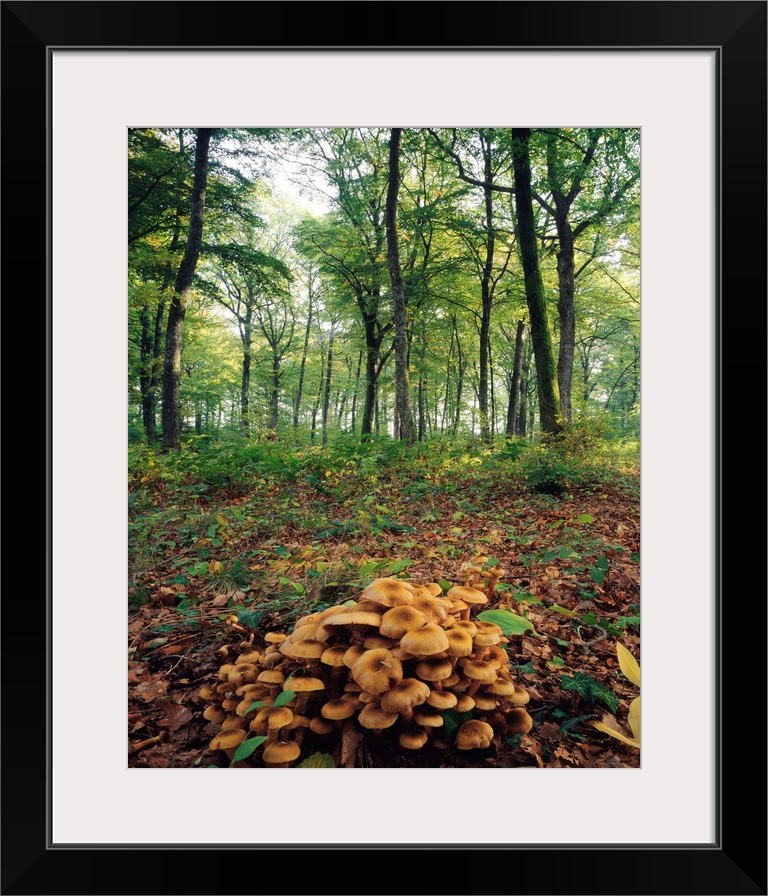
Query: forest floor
<point x="273" y="543"/>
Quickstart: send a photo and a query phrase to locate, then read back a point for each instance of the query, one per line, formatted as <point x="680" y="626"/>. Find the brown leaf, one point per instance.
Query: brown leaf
<point x="151" y="687"/>
<point x="220" y="601"/>
<point x="350" y="738"/>
<point x="174" y="715"/>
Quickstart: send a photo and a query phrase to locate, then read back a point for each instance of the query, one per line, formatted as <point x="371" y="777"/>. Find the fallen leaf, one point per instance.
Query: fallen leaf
<point x="174" y="715"/>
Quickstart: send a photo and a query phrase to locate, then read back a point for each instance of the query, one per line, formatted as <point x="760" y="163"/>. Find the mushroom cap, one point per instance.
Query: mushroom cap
<point x="337" y="709"/>
<point x="275" y="637"/>
<point x="468" y="594"/>
<point x="373" y="716"/>
<point x="299" y="683"/>
<point x="486" y="702"/>
<point x="413" y="738"/>
<point x="477" y="670"/>
<point x="243" y="673"/>
<point x="214" y="713"/>
<point x="225" y="670"/>
<point x="281" y="751"/>
<point x="353" y="654"/>
<point x="229" y="739"/>
<point x="334" y="656"/>
<point x="434" y="608"/>
<point x="319" y="725"/>
<point x="208" y="692"/>
<point x="425" y="641"/>
<point x="373" y="641"/>
<point x="519" y="720"/>
<point x="252" y="656"/>
<point x="309" y="649"/>
<point x="399" y="620"/>
<point x="441" y="700"/>
<point x="302" y="632"/>
<point x="502" y="687"/>
<point x="434" y="669"/>
<point x="434" y="588"/>
<point x="488" y="628"/>
<point x="389" y="592"/>
<point x="405" y="695"/>
<point x="520" y="696"/>
<point x="278" y="716"/>
<point x="359" y="619"/>
<point x="376" y="670"/>
<point x="428" y="717"/>
<point x="272" y="677"/>
<point x="233" y="722"/>
<point x="474" y="734"/>
<point x="466" y="625"/>
<point x="464" y="703"/>
<point x="459" y="642"/>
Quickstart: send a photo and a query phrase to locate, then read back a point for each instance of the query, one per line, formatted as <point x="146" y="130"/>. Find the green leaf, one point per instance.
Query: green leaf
<point x="282" y="552"/>
<point x="602" y="563"/>
<point x="250" y="618"/>
<point x="298" y="587"/>
<point x="590" y="689"/>
<point x="318" y="760"/>
<point x="247" y="747"/>
<point x="510" y="623"/>
<point x="399" y="566"/>
<point x="452" y="721"/>
<point x="565" y="551"/>
<point x="284" y="697"/>
<point x="585" y="518"/>
<point x="550" y="555"/>
<point x="444" y="584"/>
<point x="635" y="556"/>
<point x="597" y="575"/>
<point x="365" y="570"/>
<point x="557" y="660"/>
<point x="589" y="618"/>
<point x="254" y="706"/>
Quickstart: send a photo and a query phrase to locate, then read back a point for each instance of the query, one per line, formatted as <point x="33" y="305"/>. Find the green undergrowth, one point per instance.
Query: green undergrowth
<point x="236" y="503"/>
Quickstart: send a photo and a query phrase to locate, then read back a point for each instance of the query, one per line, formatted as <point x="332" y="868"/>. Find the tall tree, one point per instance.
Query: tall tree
<point x="572" y="156"/>
<point x="404" y="424"/>
<point x="549" y="406"/>
<point x="178" y="306"/>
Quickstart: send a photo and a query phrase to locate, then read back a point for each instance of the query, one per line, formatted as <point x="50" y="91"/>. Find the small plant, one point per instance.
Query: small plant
<point x="631" y="669"/>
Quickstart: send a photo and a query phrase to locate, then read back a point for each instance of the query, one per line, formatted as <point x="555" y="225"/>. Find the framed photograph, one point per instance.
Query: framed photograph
<point x="692" y="77"/>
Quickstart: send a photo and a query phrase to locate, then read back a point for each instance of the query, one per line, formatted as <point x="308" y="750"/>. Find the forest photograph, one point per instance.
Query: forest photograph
<point x="383" y="450"/>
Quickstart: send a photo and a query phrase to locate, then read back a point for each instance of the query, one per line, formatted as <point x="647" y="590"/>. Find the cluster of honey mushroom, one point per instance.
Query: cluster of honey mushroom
<point x="394" y="659"/>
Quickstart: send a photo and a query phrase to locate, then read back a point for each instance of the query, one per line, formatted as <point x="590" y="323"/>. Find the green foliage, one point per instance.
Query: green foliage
<point x="318" y="760"/>
<point x="590" y="689"/>
<point x="509" y="622"/>
<point x="452" y="721"/>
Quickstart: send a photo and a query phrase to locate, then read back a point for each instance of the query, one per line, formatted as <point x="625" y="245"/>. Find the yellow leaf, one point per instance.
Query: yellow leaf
<point x="628" y="664"/>
<point x="633" y="718"/>
<point x="214" y="567"/>
<point x="606" y="729"/>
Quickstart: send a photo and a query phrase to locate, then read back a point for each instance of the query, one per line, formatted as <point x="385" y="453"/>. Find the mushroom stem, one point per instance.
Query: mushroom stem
<point x="472" y="689"/>
<point x="479" y="654"/>
<point x="140" y="745"/>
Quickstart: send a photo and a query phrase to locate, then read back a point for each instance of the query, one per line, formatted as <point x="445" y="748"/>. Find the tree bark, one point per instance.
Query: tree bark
<point x="245" y="385"/>
<point x="327" y="395"/>
<point x="516" y="380"/>
<point x="178" y="307"/>
<point x="486" y="299"/>
<point x="404" y="418"/>
<point x="304" y="352"/>
<point x="549" y="408"/>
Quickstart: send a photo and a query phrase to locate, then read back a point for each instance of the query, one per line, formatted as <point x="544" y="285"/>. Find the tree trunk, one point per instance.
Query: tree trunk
<point x="516" y="380"/>
<point x="357" y="386"/>
<point x="145" y="376"/>
<point x="245" y="385"/>
<point x="549" y="410"/>
<point x="404" y="418"/>
<point x="178" y="308"/>
<point x="327" y="395"/>
<point x="485" y="297"/>
<point x="304" y="352"/>
<point x="567" y="312"/>
<point x="274" y="396"/>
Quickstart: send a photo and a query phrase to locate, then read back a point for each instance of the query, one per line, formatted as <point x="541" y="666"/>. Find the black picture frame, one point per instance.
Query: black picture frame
<point x="736" y="863"/>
